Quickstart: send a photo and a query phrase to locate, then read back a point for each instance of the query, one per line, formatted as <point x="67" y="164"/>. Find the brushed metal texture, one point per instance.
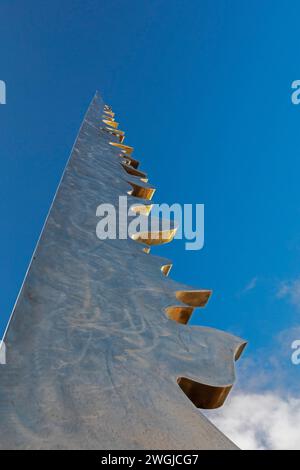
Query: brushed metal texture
<point x="92" y="358"/>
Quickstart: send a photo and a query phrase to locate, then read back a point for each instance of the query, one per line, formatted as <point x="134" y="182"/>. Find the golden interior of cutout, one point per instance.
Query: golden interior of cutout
<point x="239" y="351"/>
<point x="155" y="238"/>
<point x="147" y="249"/>
<point x="109" y="113"/>
<point x="130" y="161"/>
<point x="141" y="191"/>
<point x="144" y="209"/>
<point x="125" y="148"/>
<point x="179" y="314"/>
<point x="134" y="172"/>
<point x="108" y="118"/>
<point x="117" y="133"/>
<point x="110" y="123"/>
<point x="166" y="268"/>
<point x="203" y="396"/>
<point x="194" y="298"/>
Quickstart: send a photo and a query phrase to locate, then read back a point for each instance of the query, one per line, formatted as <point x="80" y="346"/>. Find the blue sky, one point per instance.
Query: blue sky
<point x="203" y="91"/>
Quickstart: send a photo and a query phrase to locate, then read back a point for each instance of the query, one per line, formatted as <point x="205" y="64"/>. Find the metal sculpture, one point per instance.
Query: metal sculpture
<point x="100" y="354"/>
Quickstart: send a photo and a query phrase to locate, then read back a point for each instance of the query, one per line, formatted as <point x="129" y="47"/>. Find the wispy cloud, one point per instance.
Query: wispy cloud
<point x="290" y="290"/>
<point x="249" y="286"/>
<point x="260" y="421"/>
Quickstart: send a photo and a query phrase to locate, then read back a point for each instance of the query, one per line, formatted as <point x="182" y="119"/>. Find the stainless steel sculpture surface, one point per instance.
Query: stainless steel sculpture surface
<point x="99" y="351"/>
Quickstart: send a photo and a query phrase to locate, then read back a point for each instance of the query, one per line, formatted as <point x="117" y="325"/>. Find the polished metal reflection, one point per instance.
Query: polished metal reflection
<point x="93" y="361"/>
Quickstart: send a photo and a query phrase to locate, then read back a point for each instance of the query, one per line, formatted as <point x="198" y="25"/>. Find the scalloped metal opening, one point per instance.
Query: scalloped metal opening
<point x="154" y="238"/>
<point x="194" y="298"/>
<point x="130" y="161"/>
<point x="126" y="149"/>
<point x="239" y="350"/>
<point x="111" y="123"/>
<point x="119" y="134"/>
<point x="166" y="268"/>
<point x="179" y="314"/>
<point x="144" y="209"/>
<point x="135" y="172"/>
<point x="141" y="191"/>
<point x="203" y="396"/>
<point x="109" y="113"/>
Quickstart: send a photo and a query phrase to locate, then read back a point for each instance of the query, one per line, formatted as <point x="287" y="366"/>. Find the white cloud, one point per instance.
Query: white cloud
<point x="260" y="421"/>
<point x="264" y="412"/>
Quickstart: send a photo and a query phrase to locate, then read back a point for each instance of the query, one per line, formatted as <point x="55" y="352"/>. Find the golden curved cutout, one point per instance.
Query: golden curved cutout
<point x="125" y="148"/>
<point x="194" y="298"/>
<point x="179" y="314"/>
<point x="204" y="396"/>
<point x="166" y="268"/>
<point x="117" y="133"/>
<point x="108" y="118"/>
<point x="142" y="209"/>
<point x="239" y="351"/>
<point x="141" y="191"/>
<point x="155" y="238"/>
<point x="130" y="161"/>
<point x="111" y="123"/>
<point x="109" y="113"/>
<point x="135" y="172"/>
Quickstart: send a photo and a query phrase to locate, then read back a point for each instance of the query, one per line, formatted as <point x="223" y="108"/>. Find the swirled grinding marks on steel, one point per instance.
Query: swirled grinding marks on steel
<point x="99" y="353"/>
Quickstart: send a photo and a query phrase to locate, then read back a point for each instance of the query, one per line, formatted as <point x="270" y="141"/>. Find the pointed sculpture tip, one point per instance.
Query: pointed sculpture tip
<point x="97" y="95"/>
<point x="97" y="99"/>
